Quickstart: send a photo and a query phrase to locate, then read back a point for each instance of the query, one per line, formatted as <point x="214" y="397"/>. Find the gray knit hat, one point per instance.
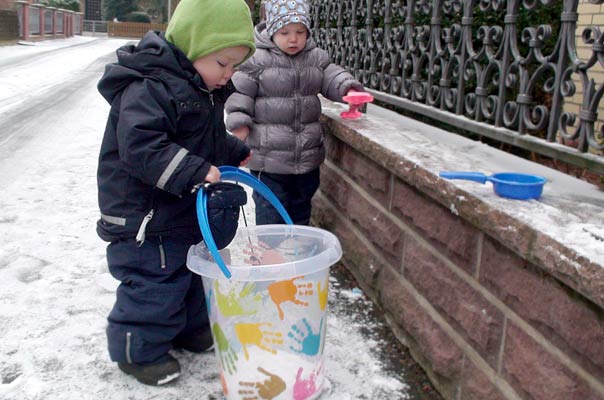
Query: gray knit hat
<point x="283" y="12"/>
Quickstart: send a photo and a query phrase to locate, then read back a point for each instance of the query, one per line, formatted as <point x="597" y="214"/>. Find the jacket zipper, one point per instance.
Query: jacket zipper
<point x="297" y="109"/>
<point x="140" y="235"/>
<point x="211" y="98"/>
<point x="210" y="94"/>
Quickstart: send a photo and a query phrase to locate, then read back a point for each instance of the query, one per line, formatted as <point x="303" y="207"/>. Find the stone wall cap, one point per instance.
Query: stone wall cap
<point x="562" y="232"/>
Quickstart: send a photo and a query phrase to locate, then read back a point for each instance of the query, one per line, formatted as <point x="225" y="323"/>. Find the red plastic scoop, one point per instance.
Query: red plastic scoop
<point x="355" y="100"/>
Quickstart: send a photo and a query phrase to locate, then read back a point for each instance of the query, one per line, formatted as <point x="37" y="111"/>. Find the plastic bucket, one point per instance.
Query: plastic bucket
<point x="269" y="319"/>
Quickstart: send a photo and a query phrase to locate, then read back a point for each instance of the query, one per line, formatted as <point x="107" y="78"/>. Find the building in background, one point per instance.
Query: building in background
<point x="591" y="16"/>
<point x="93" y="10"/>
<point x="7" y="5"/>
<point x="38" y="21"/>
<point x="9" y="22"/>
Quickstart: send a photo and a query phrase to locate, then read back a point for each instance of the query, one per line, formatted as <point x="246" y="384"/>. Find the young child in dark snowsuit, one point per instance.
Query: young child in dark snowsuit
<point x="276" y="108"/>
<point x="165" y="136"/>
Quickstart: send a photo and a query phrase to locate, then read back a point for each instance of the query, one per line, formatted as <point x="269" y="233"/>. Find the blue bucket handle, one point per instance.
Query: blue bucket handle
<point x="237" y="175"/>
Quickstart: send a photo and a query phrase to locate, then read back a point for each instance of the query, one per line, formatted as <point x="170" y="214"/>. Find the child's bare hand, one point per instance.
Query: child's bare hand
<point x="242" y="132"/>
<point x="262" y="254"/>
<point x="213" y="175"/>
<point x="246" y="160"/>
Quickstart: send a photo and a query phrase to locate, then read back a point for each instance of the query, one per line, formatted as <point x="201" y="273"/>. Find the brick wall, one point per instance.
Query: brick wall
<point x="464" y="287"/>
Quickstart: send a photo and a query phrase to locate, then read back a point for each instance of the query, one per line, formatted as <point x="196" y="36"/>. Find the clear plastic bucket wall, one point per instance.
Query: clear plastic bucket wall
<point x="269" y="320"/>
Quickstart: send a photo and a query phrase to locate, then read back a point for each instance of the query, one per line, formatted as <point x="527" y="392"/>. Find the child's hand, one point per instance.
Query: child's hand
<point x="213" y="175"/>
<point x="246" y="160"/>
<point x="355" y="92"/>
<point x="242" y="132"/>
<point x="262" y="254"/>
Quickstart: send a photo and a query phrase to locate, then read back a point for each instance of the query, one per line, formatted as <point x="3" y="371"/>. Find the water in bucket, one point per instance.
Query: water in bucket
<point x="268" y="320"/>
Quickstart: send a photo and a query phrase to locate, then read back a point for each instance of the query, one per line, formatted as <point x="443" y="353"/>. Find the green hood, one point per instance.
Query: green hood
<point x="201" y="27"/>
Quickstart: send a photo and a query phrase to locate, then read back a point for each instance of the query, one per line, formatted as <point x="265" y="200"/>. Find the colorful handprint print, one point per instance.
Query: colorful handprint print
<point x="225" y="388"/>
<point x="228" y="357"/>
<point x="269" y="388"/>
<point x="252" y="334"/>
<point x="231" y="304"/>
<point x="208" y="298"/>
<point x="284" y="291"/>
<point x="304" y="388"/>
<point x="323" y="294"/>
<point x="308" y="341"/>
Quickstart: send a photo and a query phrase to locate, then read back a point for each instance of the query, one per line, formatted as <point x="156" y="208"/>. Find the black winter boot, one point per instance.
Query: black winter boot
<point x="165" y="370"/>
<point x="196" y="343"/>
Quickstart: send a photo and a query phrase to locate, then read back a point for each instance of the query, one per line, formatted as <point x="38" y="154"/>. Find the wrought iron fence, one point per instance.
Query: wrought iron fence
<point x="470" y="64"/>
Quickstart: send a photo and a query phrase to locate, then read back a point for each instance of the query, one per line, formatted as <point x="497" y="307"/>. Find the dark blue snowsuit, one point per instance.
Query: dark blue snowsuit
<point x="164" y="131"/>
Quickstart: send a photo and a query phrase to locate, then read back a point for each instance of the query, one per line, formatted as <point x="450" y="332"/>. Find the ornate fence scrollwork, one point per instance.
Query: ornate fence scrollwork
<point x="476" y="65"/>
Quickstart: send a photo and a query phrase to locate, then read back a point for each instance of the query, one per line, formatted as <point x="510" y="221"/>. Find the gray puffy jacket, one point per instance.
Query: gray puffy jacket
<point x="277" y="98"/>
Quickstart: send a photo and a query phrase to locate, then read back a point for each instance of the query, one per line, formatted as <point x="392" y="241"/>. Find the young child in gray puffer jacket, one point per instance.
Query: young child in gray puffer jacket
<point x="276" y="108"/>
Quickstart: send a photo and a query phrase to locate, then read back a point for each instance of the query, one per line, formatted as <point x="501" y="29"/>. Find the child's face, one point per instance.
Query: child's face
<point x="217" y="68"/>
<point x="291" y="39"/>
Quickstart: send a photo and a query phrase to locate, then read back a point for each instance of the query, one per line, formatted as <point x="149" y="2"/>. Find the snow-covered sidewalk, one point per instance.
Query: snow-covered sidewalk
<point x="55" y="291"/>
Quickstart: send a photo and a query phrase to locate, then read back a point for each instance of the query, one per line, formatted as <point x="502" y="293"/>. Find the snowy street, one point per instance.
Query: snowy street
<point x="55" y="291"/>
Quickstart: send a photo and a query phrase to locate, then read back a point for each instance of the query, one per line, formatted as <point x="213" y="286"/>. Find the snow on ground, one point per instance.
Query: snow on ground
<point x="29" y="71"/>
<point x="55" y="291"/>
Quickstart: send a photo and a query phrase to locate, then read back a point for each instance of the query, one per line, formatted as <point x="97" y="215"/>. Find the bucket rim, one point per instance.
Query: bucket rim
<point x="198" y="262"/>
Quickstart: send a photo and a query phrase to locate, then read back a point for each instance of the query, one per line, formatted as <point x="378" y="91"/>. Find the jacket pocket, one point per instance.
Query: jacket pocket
<point x="193" y="119"/>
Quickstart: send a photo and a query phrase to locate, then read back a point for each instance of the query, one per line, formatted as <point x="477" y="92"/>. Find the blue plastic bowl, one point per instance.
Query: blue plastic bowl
<point x="517" y="186"/>
<point x="510" y="185"/>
